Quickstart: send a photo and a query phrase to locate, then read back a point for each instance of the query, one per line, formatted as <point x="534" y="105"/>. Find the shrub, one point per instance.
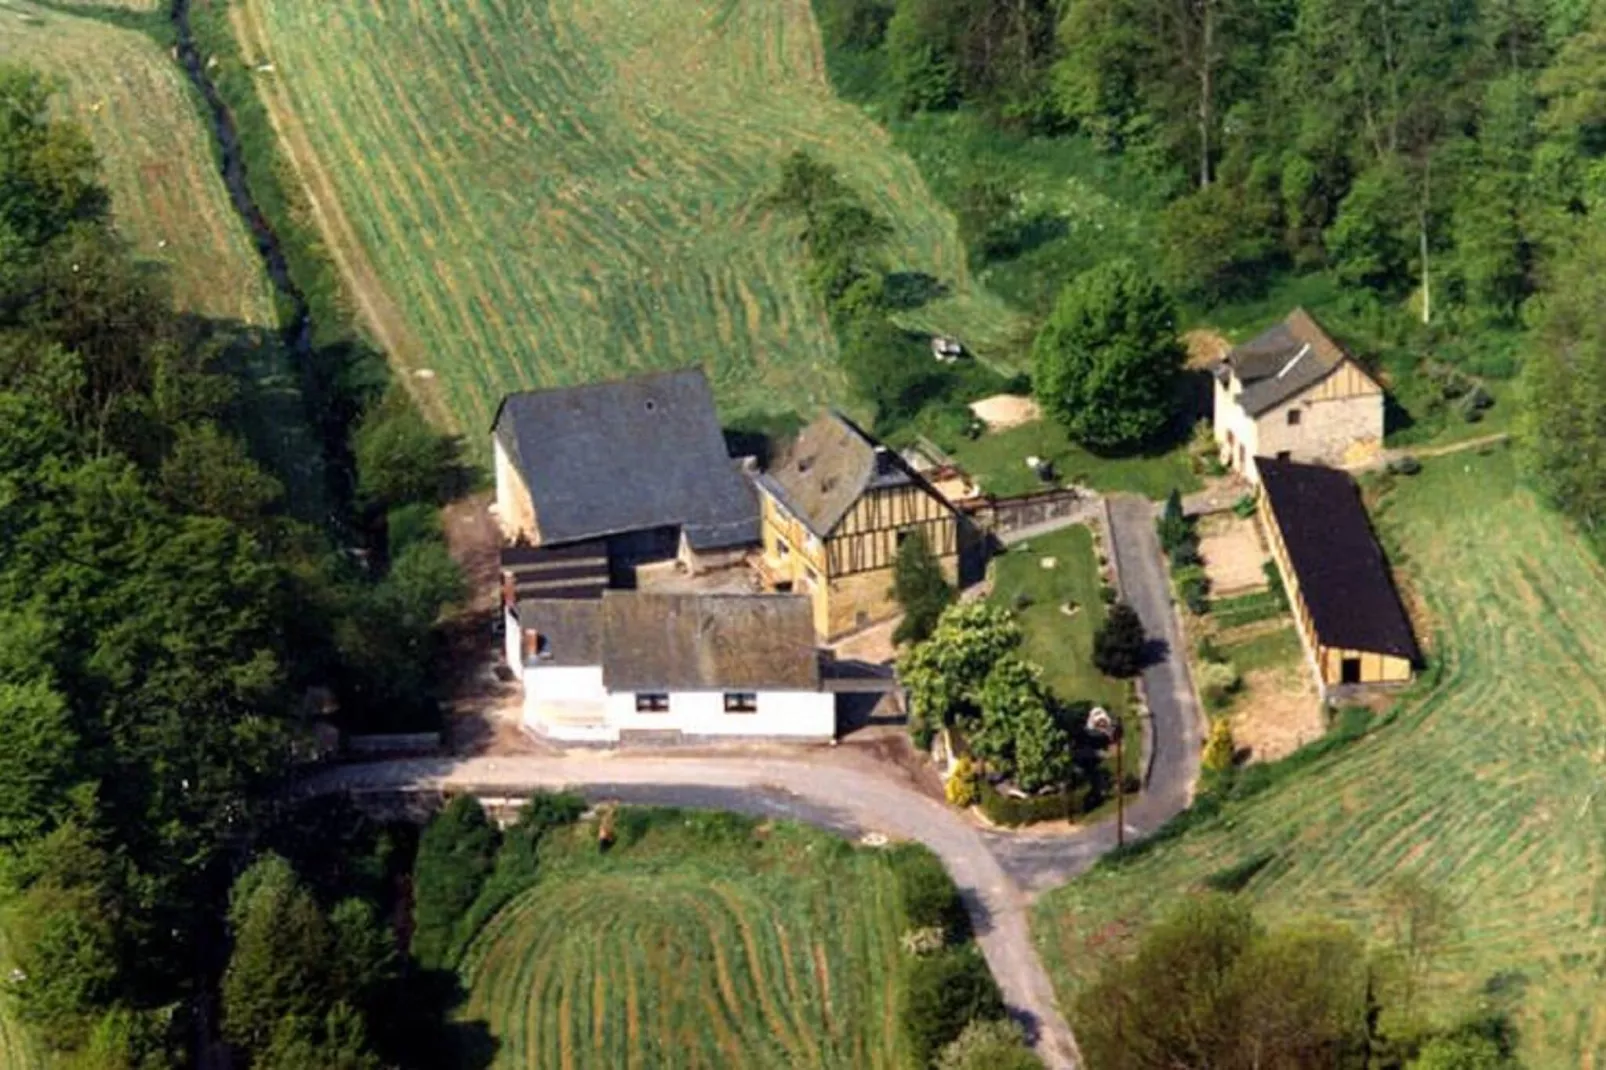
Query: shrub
<point x="962" y="782"/>
<point x="455" y="854"/>
<point x="1244" y="507"/>
<point x="1021" y="602"/>
<point x="927" y="893"/>
<point x="1219" y="748"/>
<point x="991" y="1045"/>
<point x="926" y="941"/>
<point x="1172" y="527"/>
<point x="1195" y="592"/>
<point x="1218" y="681"/>
<point x="1108" y="594"/>
<point x="943" y="994"/>
<point x="1006" y="810"/>
<point x="1185" y="555"/>
<point x="1274" y="582"/>
<point x="1118" y="646"/>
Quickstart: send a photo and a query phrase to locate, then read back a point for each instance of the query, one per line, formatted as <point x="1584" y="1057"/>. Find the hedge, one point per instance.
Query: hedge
<point x="1003" y="809"/>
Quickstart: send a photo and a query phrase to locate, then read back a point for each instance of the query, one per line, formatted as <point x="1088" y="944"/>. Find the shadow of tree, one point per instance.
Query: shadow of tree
<point x="906" y="290"/>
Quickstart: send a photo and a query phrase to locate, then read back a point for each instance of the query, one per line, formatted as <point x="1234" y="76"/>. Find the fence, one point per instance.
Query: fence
<point x="1000" y="516"/>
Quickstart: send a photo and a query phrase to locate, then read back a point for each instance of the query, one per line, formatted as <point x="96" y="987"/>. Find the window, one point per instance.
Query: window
<point x="1285" y="455"/>
<point x="782" y="550"/>
<point x="652" y="702"/>
<point x="1293" y="417"/>
<point x="741" y="702"/>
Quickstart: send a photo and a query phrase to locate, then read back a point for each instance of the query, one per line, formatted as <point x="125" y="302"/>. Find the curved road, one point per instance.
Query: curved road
<point x="834" y="791"/>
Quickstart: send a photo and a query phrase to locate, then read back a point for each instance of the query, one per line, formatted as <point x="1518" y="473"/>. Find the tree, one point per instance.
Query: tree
<point x="1173" y="525"/>
<point x="282" y="952"/>
<point x="921" y="46"/>
<point x="207" y="471"/>
<point x="400" y="457"/>
<point x="333" y="1041"/>
<point x="1207" y="986"/>
<point x="944" y="674"/>
<point x="1119" y="644"/>
<point x="989" y="1045"/>
<point x="1219" y="749"/>
<point x="50" y="178"/>
<point x="1461" y="1051"/>
<point x="1105" y="365"/>
<point x="455" y="855"/>
<point x="1043" y="755"/>
<point x="920" y="588"/>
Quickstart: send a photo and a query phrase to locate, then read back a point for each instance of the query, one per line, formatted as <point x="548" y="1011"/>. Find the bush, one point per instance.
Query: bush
<point x="1218" y="681"/>
<point x="926" y="892"/>
<point x="1219" y="749"/>
<point x="962" y="783"/>
<point x="992" y="1045"/>
<point x="1118" y="646"/>
<point x="1006" y="810"/>
<point x="943" y="994"/>
<point x="1274" y="582"/>
<point x="1244" y="507"/>
<point x="1108" y="594"/>
<point x="1195" y="592"/>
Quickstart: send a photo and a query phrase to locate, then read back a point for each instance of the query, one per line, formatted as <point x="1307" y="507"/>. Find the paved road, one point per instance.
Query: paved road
<point x="835" y="794"/>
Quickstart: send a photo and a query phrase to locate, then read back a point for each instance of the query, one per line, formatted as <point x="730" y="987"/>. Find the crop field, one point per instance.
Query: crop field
<point x="775" y="948"/>
<point x="522" y="195"/>
<point x="1484" y="786"/>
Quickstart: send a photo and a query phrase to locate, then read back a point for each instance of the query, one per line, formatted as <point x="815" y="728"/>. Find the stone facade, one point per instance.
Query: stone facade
<point x="515" y="511"/>
<point x="1337" y="421"/>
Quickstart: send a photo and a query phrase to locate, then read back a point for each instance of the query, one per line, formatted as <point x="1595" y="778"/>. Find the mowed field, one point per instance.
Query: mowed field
<point x="529" y="194"/>
<point x="1487" y="788"/>
<point x="778" y="948"/>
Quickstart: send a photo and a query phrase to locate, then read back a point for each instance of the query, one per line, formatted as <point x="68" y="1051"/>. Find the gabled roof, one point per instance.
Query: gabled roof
<point x="1283" y="361"/>
<point x="1343" y="576"/>
<point x="629" y="455"/>
<point x="708" y="642"/>
<point x="570" y="629"/>
<point x="827" y="468"/>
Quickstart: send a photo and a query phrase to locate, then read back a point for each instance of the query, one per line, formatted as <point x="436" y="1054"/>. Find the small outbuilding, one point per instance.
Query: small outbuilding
<point x="1349" y="615"/>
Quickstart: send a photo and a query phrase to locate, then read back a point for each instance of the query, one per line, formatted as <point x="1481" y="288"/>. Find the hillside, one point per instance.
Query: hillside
<point x="580" y="194"/>
<point x="1485" y="788"/>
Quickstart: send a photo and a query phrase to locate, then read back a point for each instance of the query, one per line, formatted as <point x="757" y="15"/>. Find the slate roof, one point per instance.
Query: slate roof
<point x="708" y="642"/>
<point x="1342" y="574"/>
<point x="1283" y="361"/>
<point x="574" y="570"/>
<point x="827" y="468"/>
<point x="629" y="455"/>
<point x="570" y="629"/>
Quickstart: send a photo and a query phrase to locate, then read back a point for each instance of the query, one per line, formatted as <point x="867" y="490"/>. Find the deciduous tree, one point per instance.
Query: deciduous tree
<point x="920" y="588"/>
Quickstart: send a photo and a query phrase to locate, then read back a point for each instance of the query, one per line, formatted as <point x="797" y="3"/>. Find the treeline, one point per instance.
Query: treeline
<point x="163" y="616"/>
<point x="1440" y="149"/>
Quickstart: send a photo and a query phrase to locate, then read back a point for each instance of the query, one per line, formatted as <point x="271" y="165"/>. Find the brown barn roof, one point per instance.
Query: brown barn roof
<point x="1282" y="361"/>
<point x="708" y="642"/>
<point x="830" y="464"/>
<point x="1343" y="576"/>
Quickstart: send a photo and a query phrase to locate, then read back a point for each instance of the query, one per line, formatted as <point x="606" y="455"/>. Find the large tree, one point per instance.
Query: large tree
<point x="1105" y="364"/>
<point x="920" y="588"/>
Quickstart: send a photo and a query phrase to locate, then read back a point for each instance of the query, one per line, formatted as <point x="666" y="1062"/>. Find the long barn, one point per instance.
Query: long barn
<point x="1349" y="614"/>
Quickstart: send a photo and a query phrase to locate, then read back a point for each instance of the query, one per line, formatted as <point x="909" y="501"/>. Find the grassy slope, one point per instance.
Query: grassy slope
<point x="1485" y="787"/>
<point x="157" y="159"/>
<point x="556" y="192"/>
<point x="18" y="1048"/>
<point x="774" y="950"/>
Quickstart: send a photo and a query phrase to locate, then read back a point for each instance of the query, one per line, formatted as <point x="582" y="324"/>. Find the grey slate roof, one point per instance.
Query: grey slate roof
<point x="708" y="642"/>
<point x="1343" y="576"/>
<point x="1283" y="361"/>
<point x="629" y="455"/>
<point x="570" y="629"/>
<point x="830" y="464"/>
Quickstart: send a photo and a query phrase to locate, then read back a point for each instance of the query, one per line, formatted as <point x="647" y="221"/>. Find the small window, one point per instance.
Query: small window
<point x="1293" y="417"/>
<point x="1285" y="455"/>
<point x="781" y="549"/>
<point x="741" y="702"/>
<point x="652" y="702"/>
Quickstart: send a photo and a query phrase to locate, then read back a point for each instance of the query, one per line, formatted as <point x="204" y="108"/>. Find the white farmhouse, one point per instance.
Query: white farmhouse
<point x="669" y="666"/>
<point x="1293" y="393"/>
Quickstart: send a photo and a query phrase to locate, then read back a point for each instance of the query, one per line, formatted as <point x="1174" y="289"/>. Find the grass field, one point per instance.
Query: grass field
<point x="533" y="194"/>
<point x="772" y="948"/>
<point x="1485" y="787"/>
<point x="19" y="1050"/>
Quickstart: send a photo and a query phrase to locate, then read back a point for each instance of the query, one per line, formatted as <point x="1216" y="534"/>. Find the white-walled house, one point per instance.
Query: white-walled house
<point x="1292" y="393"/>
<point x="692" y="666"/>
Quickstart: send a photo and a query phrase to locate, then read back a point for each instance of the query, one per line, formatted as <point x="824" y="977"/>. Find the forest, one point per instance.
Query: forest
<point x="1427" y="174"/>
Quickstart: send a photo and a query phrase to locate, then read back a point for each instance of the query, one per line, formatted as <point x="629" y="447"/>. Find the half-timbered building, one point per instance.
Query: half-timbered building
<point x="834" y="508"/>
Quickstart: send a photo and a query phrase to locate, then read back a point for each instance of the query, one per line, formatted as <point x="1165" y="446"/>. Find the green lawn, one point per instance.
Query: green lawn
<point x="1278" y="647"/>
<point x="712" y="941"/>
<point x="998" y="462"/>
<point x="1484" y="785"/>
<point x="1063" y="645"/>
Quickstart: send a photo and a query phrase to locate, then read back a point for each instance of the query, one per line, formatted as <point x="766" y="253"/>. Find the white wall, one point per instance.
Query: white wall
<point x="564" y="698"/>
<point x="799" y="714"/>
<point x="512" y="641"/>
